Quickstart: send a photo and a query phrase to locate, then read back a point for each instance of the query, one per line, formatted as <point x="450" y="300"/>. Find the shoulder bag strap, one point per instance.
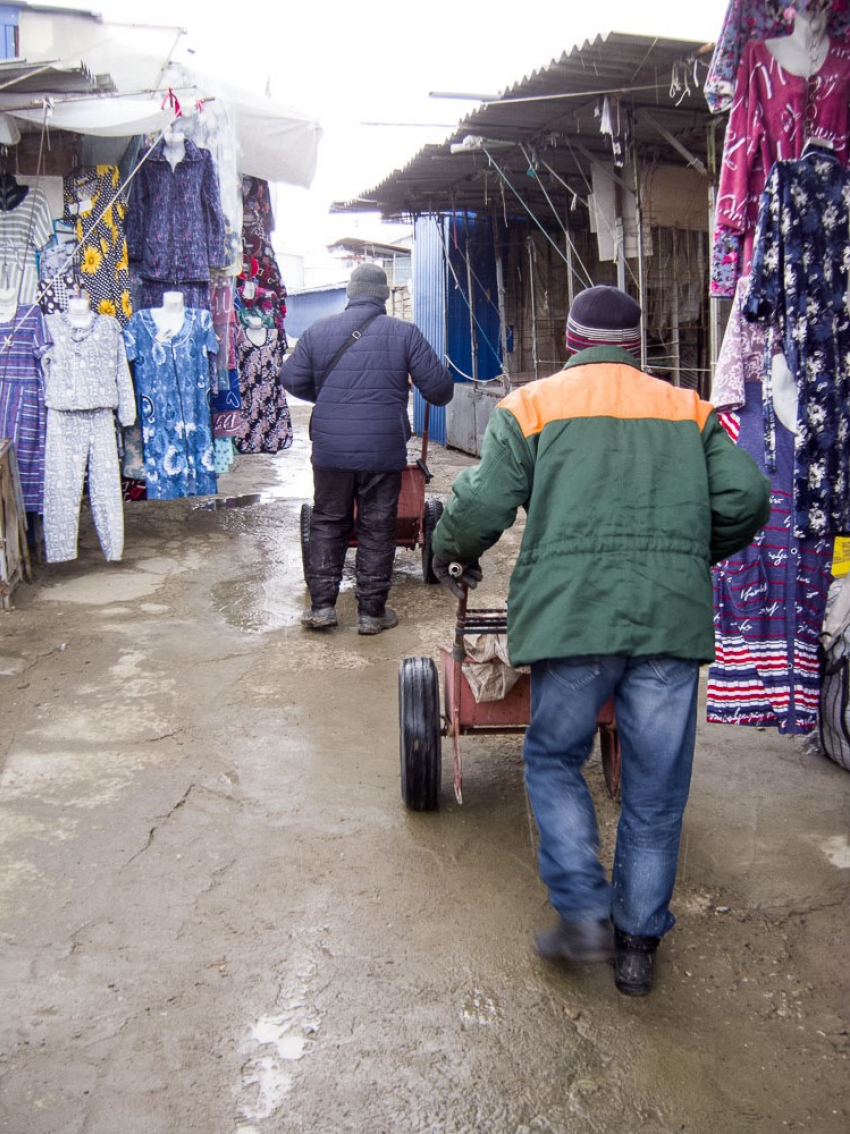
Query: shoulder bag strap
<point x="349" y="342"/>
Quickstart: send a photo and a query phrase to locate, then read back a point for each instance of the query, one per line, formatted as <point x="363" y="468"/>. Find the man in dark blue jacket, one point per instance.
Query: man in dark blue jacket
<point x="359" y="428"/>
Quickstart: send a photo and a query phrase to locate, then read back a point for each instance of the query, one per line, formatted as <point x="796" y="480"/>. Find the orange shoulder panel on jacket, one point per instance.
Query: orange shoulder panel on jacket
<point x="602" y="389"/>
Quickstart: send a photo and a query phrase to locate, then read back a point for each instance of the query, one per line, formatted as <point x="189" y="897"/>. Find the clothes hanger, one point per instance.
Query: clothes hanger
<point x="818" y="145"/>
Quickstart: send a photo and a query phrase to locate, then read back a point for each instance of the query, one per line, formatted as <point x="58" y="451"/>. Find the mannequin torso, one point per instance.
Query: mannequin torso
<point x="169" y="317"/>
<point x="804" y="51"/>
<point x="8" y="304"/>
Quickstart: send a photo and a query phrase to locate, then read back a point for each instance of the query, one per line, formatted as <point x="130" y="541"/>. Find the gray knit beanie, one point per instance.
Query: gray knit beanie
<point x="368" y="279"/>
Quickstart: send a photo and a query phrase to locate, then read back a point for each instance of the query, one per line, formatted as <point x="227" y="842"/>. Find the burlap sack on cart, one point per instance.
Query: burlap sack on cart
<point x="488" y="670"/>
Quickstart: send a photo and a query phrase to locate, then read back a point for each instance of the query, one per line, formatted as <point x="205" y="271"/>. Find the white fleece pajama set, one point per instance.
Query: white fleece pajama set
<point x="86" y="380"/>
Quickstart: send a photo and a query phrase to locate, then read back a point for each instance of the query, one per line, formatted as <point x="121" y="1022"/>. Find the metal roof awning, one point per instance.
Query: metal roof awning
<point x="21" y="77"/>
<point x="360" y="247"/>
<point x="542" y="133"/>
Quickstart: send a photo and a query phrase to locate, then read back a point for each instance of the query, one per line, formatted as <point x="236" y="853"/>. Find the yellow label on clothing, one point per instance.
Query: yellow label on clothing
<point x="841" y="557"/>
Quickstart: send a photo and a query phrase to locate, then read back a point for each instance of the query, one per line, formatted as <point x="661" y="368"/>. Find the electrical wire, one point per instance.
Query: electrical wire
<point x="507" y="182"/>
<point x="468" y="302"/>
<point x="557" y="216"/>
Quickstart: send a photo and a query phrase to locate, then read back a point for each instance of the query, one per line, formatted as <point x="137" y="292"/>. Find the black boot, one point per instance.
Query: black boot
<point x="634" y="959"/>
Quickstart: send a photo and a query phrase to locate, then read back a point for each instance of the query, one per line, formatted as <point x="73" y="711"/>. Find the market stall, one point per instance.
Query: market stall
<point x="141" y="307"/>
<point x="781" y="253"/>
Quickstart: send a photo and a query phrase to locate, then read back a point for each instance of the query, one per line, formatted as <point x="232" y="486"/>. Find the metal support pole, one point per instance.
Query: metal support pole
<point x="620" y="236"/>
<point x="500" y="298"/>
<point x="532" y="285"/>
<point x="674" y="315"/>
<point x="641" y="265"/>
<point x="473" y="337"/>
<point x="568" y="237"/>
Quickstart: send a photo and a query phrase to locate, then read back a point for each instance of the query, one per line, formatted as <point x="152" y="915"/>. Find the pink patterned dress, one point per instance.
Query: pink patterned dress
<point x="773" y="114"/>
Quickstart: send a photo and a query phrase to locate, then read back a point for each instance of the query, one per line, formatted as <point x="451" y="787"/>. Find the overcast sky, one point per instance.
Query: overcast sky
<point x="348" y="64"/>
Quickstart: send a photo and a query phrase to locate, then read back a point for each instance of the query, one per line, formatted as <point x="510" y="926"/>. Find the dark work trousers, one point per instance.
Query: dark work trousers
<point x="334" y="494"/>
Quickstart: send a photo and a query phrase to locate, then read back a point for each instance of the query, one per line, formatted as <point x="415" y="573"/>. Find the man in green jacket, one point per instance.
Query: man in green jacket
<point x="632" y="489"/>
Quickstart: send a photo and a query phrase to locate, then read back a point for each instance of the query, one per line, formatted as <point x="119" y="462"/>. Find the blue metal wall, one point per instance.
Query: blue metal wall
<point x="429" y="310"/>
<point x="466" y="231"/>
<point x="441" y="301"/>
<point x="8" y="31"/>
<point x="306" y="307"/>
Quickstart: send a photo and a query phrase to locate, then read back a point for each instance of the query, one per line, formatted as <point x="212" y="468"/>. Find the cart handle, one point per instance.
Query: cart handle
<point x="423" y="457"/>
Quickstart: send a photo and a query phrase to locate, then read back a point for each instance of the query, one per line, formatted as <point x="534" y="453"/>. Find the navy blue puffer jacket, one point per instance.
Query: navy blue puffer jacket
<point x="360" y="420"/>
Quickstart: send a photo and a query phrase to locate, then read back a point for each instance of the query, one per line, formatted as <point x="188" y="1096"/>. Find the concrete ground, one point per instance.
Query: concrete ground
<point x="217" y="916"/>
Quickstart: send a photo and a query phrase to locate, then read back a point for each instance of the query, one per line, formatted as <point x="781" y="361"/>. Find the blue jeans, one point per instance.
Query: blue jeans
<point x="655" y="700"/>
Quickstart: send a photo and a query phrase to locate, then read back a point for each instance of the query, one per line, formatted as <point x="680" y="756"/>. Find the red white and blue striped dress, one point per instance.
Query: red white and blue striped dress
<point x="769" y="602"/>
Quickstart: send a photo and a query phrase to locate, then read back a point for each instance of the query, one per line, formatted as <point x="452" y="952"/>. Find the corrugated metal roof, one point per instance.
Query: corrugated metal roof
<point x="19" y="77"/>
<point x="544" y="130"/>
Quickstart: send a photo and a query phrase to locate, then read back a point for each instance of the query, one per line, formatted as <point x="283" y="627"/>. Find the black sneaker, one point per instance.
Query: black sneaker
<point x="634" y="963"/>
<point x="375" y="623"/>
<point x="583" y="942"/>
<point x="319" y="618"/>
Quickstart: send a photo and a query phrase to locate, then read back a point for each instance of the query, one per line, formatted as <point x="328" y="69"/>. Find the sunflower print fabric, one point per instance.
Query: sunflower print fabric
<point x="96" y="209"/>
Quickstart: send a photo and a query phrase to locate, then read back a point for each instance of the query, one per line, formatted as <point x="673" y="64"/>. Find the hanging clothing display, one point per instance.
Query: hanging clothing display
<point x="150" y="293"/>
<point x="261" y="272"/>
<point x="773" y="114"/>
<point x="97" y="210"/>
<point x="175" y="226"/>
<point x="58" y="274"/>
<point x="800" y="281"/>
<point x="768" y="598"/>
<point x="23" y="415"/>
<point x="769" y="602"/>
<point x="25" y="228"/>
<point x="754" y="19"/>
<point x="172" y="379"/>
<point x="226" y="408"/>
<point x="86" y="380"/>
<point x="266" y="425"/>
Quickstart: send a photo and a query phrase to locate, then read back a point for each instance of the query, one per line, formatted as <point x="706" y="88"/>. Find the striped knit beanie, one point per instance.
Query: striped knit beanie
<point x="603" y="316"/>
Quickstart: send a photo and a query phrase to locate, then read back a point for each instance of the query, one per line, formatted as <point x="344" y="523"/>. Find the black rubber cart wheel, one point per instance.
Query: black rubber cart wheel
<point x="433" y="511"/>
<point x="306" y="513"/>
<point x="419" y="730"/>
<point x="609" y="744"/>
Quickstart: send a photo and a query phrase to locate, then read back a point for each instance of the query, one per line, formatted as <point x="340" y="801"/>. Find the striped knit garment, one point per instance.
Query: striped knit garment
<point x="23" y="417"/>
<point x="769" y="602"/>
<point x="580" y="337"/>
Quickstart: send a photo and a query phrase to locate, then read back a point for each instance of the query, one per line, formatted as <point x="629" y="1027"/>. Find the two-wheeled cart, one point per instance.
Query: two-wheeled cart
<point x="417" y="514"/>
<point x="422" y="726"/>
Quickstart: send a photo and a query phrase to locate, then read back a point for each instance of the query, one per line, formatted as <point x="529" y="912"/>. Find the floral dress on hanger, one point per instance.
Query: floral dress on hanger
<point x="96" y="206"/>
<point x="266" y="425"/>
<point x="801" y="281"/>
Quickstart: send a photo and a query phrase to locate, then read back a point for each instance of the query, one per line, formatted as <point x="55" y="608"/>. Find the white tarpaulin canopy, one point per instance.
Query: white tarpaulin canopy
<point x="129" y="68"/>
<point x="110" y="116"/>
<point x="275" y="142"/>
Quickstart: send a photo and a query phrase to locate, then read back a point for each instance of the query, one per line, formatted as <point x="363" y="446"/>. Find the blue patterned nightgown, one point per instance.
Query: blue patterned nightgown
<point x="172" y="379"/>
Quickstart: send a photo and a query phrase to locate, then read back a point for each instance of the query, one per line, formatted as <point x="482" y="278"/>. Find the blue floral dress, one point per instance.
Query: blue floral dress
<point x="172" y="379"/>
<point x="800" y="278"/>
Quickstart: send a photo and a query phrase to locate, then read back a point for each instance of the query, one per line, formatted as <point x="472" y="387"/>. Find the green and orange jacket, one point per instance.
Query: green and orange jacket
<point x="632" y="489"/>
